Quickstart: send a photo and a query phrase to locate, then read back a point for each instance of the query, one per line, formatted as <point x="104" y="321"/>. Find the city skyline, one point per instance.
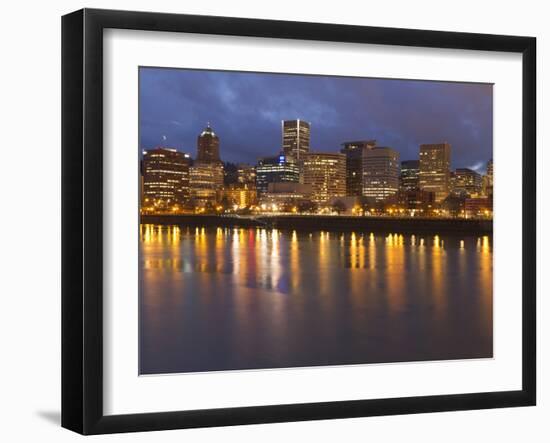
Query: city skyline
<point x="319" y="182"/>
<point x="297" y="221"/>
<point x="175" y="102"/>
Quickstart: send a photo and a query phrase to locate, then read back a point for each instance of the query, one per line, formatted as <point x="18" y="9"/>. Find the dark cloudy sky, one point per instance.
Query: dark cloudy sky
<point x="246" y="109"/>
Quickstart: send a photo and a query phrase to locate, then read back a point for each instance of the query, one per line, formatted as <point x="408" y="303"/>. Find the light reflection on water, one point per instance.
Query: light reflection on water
<point x="233" y="298"/>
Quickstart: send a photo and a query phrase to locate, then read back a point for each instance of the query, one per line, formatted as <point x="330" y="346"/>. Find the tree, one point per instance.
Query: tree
<point x="225" y="203"/>
<point x="453" y="205"/>
<point x="307" y="207"/>
<point x="191" y="204"/>
<point x="209" y="207"/>
<point x="339" y="206"/>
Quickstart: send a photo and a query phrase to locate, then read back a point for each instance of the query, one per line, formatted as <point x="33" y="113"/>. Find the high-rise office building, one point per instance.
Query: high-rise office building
<point x="281" y="168"/>
<point x="206" y="180"/>
<point x="165" y="178"/>
<point x="354" y="164"/>
<point x="326" y="174"/>
<point x="434" y="175"/>
<point x="408" y="179"/>
<point x="242" y="197"/>
<point x="490" y="172"/>
<point x="296" y="137"/>
<point x="415" y="199"/>
<point x="208" y="146"/>
<point x="467" y="182"/>
<point x="380" y="173"/>
<point x="246" y="175"/>
<point x="489" y="185"/>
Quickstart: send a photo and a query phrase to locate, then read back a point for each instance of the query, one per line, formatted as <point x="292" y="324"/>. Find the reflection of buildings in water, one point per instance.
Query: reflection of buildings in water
<point x="461" y="261"/>
<point x="236" y="255"/>
<point x="354" y="251"/>
<point x="274" y="271"/>
<point x="438" y="291"/>
<point x="394" y="254"/>
<point x="372" y="252"/>
<point x="295" y="276"/>
<point x="263" y="255"/>
<point x="486" y="278"/>
<point x="324" y="262"/>
<point x="273" y="260"/>
<point x="357" y="252"/>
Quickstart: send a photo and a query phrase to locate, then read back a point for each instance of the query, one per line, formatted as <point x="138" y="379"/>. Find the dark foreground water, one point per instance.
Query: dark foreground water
<point x="225" y="298"/>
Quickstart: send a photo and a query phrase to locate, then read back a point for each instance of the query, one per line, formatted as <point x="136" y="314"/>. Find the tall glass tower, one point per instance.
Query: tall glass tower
<point x="435" y="168"/>
<point x="296" y="136"/>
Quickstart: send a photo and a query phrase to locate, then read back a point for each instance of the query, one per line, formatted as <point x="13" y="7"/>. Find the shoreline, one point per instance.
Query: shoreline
<point x="328" y="223"/>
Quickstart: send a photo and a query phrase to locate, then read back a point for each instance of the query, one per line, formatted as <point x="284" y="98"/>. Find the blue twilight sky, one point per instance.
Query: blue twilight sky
<point x="246" y="109"/>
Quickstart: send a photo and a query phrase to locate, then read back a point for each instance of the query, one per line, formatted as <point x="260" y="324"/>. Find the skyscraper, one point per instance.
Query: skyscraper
<point x="354" y="164"/>
<point x="206" y="181"/>
<point x="246" y="175"/>
<point x="489" y="188"/>
<point x="165" y="178"/>
<point x="490" y="172"/>
<point x="242" y="192"/>
<point x="208" y="146"/>
<point x="326" y="174"/>
<point x="467" y="182"/>
<point x="296" y="137"/>
<point x="280" y="168"/>
<point x="408" y="180"/>
<point x="380" y="173"/>
<point x="435" y="163"/>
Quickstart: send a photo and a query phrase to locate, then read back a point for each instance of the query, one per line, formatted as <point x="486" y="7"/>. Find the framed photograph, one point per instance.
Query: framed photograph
<point x="269" y="221"/>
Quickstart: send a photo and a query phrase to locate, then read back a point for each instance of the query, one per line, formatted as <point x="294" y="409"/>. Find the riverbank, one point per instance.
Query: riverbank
<point x="329" y="223"/>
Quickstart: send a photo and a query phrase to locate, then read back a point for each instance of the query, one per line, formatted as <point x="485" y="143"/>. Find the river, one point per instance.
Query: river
<point x="232" y="299"/>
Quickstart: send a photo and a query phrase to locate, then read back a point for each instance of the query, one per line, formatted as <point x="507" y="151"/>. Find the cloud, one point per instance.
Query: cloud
<point x="478" y="167"/>
<point x="245" y="110"/>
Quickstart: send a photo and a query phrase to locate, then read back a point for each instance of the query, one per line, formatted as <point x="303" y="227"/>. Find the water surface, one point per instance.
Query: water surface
<point x="226" y="299"/>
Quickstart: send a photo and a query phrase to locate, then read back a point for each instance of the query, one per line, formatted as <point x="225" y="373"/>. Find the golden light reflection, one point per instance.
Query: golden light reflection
<point x="485" y="244"/>
<point x="148" y="235"/>
<point x="236" y="253"/>
<point x="438" y="290"/>
<point x="295" y="262"/>
<point x="353" y="251"/>
<point x="262" y="256"/>
<point x="372" y="252"/>
<point x="175" y="235"/>
<point x="324" y="263"/>
<point x="357" y="264"/>
<point x="219" y="246"/>
<point x="276" y="260"/>
<point x="361" y="252"/>
<point x="486" y="280"/>
<point x="393" y="266"/>
<point x="275" y="267"/>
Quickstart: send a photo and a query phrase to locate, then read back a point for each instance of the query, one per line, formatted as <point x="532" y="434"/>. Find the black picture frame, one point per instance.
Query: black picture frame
<point x="82" y="218"/>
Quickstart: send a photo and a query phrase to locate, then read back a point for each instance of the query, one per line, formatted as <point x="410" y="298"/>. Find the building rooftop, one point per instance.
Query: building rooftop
<point x="208" y="131"/>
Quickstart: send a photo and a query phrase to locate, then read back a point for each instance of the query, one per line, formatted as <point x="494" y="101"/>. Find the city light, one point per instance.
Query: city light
<point x="362" y="180"/>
